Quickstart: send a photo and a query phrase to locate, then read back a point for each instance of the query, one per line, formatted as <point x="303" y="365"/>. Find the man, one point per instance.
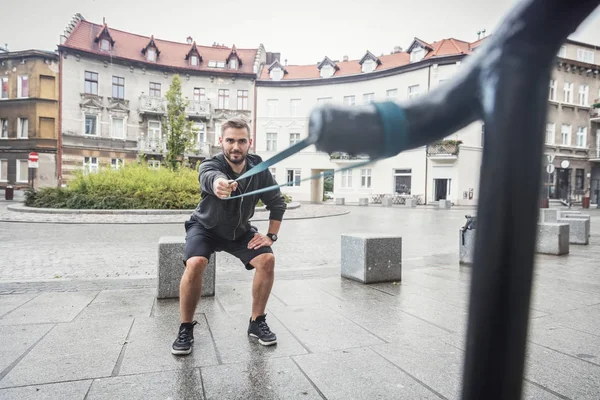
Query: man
<point x="218" y="224"/>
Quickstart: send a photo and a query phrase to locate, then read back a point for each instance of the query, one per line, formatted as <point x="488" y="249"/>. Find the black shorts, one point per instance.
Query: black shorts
<point x="201" y="242"/>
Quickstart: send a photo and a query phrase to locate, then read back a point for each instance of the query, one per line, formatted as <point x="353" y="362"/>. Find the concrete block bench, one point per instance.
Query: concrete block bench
<point x="466" y="237"/>
<point x="387" y="201"/>
<point x="579" y="229"/>
<point x="170" y="269"/>
<point x="548" y="215"/>
<point x="363" y="201"/>
<point x="552" y="238"/>
<point x="445" y="204"/>
<point x="371" y="258"/>
<point x="340" y="201"/>
<point x="410" y="203"/>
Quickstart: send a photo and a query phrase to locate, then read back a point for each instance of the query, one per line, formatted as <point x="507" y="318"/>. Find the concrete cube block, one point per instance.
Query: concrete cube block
<point x="552" y="238"/>
<point x="445" y="204"/>
<point x="466" y="246"/>
<point x="386" y="201"/>
<point x="363" y="201"/>
<point x="410" y="203"/>
<point x="340" y="201"/>
<point x="371" y="258"/>
<point x="549" y="215"/>
<point x="170" y="268"/>
<point x="579" y="229"/>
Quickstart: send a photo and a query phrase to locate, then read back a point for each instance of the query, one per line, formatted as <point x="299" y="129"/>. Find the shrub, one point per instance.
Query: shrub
<point x="133" y="186"/>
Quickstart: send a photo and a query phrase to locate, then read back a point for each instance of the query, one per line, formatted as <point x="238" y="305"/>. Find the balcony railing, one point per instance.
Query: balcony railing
<point x="595" y="112"/>
<point x="159" y="146"/>
<point x="198" y="109"/>
<point x="347" y="157"/>
<point x="444" y="148"/>
<point x="152" y="104"/>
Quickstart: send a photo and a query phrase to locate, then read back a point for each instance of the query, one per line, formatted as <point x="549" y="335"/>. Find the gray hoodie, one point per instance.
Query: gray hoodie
<point x="230" y="219"/>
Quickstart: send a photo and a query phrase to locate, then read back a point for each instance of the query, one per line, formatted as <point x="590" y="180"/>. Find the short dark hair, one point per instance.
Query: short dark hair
<point x="238" y="123"/>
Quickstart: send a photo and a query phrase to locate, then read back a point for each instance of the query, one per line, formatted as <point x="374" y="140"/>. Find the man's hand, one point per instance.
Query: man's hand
<point x="259" y="240"/>
<point x="223" y="188"/>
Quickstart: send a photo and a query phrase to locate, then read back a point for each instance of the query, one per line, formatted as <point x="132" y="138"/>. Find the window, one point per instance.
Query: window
<point x="223" y="99"/>
<point x="194" y="60"/>
<point x="200" y="130"/>
<point x="271" y="141"/>
<point x="347" y="178"/>
<point x="368" y="66"/>
<point x="154" y="132"/>
<point x="294" y="138"/>
<point x="47" y="87"/>
<point x="154" y="89"/>
<point x="326" y="71"/>
<point x="293" y="177"/>
<point x="581" y="136"/>
<point x="552" y="92"/>
<point x="579" y="178"/>
<point x="586" y="56"/>
<point x="151" y="54"/>
<point x="566" y="135"/>
<point x="568" y="90"/>
<point x="116" y="163"/>
<point x="3" y="170"/>
<point x="118" y="128"/>
<point x="90" y="124"/>
<point x="233" y="64"/>
<point x="23" y="128"/>
<point x="276" y="74"/>
<point x="199" y="95"/>
<point x="90" y="165"/>
<point x="413" y="91"/>
<point x="349" y="100"/>
<point x="563" y="51"/>
<point x="272" y="108"/>
<point x="242" y="103"/>
<point x="550" y="132"/>
<point x="23" y="86"/>
<point x="584" y="91"/>
<point x="402" y="181"/>
<point x="220" y="64"/>
<point x="91" y="83"/>
<point x="391" y="94"/>
<point x="417" y="54"/>
<point x="22" y="171"/>
<point x="295" y="107"/>
<point x="368" y="97"/>
<point x="4" y="128"/>
<point x="118" y="87"/>
<point x="324" y="100"/>
<point x="47" y="127"/>
<point x="104" y="45"/>
<point x="5" y="88"/>
<point x="365" y="178"/>
<point x="273" y="171"/>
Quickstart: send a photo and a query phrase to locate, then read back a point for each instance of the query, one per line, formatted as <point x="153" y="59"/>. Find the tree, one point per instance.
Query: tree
<point x="176" y="125"/>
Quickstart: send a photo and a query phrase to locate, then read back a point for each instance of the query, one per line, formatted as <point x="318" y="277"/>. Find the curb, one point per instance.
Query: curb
<point x="25" y="209"/>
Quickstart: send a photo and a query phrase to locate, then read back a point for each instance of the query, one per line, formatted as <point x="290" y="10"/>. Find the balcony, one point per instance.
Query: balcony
<point x="152" y="105"/>
<point x="595" y="111"/>
<point x="444" y="150"/>
<point x="159" y="146"/>
<point x="200" y="149"/>
<point x="344" y="157"/>
<point x="198" y="109"/>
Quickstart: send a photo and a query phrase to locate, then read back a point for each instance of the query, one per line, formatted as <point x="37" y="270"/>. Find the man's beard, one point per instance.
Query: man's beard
<point x="235" y="161"/>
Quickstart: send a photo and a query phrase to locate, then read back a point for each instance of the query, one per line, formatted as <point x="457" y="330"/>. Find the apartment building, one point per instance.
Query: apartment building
<point x="573" y="123"/>
<point x="29" y="114"/>
<point x="287" y="93"/>
<point x="113" y="86"/>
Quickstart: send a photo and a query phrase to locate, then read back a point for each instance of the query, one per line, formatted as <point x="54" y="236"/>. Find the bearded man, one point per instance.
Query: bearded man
<point x="218" y="224"/>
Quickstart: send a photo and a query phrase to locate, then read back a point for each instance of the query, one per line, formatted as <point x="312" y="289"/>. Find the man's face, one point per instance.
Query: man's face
<point x="235" y="143"/>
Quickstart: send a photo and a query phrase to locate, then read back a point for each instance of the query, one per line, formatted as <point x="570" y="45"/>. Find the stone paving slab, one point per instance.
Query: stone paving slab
<point x="16" y="340"/>
<point x="50" y="308"/>
<point x="64" y="390"/>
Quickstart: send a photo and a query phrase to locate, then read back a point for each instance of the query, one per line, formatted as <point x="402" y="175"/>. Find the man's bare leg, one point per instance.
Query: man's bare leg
<point x="190" y="287"/>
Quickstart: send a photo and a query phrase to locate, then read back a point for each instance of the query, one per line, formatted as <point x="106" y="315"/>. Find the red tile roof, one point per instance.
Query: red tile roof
<point x="442" y="48"/>
<point x="172" y="54"/>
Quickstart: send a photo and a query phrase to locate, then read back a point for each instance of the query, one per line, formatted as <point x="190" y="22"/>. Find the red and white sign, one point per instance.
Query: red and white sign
<point x="33" y="159"/>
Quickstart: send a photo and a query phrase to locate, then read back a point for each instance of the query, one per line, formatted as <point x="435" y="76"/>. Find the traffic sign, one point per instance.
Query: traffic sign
<point x="550" y="158"/>
<point x="550" y="168"/>
<point x="33" y="156"/>
<point x="33" y="164"/>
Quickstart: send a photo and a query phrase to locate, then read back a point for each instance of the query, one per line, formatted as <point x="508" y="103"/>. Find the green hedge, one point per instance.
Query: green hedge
<point x="134" y="186"/>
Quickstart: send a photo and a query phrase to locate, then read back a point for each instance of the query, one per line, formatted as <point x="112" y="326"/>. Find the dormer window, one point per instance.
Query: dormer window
<point x="104" y="39"/>
<point x="368" y="66"/>
<point x="417" y="54"/>
<point x="327" y="68"/>
<point x="151" y="50"/>
<point x="193" y="56"/>
<point x="233" y="63"/>
<point x="151" y="55"/>
<point x="194" y="60"/>
<point x="326" y="71"/>
<point x="369" y="62"/>
<point x="233" y="60"/>
<point x="276" y="74"/>
<point x="105" y="45"/>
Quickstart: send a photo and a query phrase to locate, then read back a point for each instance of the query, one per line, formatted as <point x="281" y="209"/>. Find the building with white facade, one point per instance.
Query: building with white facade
<point x="113" y="85"/>
<point x="286" y="94"/>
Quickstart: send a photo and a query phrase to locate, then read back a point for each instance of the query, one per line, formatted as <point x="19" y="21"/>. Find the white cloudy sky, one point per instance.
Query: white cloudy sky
<point x="303" y="31"/>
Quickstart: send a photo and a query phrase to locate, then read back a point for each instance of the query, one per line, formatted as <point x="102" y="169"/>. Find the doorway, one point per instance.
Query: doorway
<point x="563" y="182"/>
<point x="441" y="189"/>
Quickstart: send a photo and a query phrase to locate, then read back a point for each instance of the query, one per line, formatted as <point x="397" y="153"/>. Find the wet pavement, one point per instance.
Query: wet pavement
<point x="79" y="318"/>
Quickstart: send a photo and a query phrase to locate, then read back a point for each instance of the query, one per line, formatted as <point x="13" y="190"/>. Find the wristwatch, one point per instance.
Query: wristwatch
<point x="272" y="236"/>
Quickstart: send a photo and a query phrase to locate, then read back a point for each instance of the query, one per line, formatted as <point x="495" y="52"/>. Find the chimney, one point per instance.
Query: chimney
<point x="478" y="35"/>
<point x="397" y="49"/>
<point x="483" y="32"/>
<point x="345" y="58"/>
<point x="189" y="40"/>
<point x="286" y="62"/>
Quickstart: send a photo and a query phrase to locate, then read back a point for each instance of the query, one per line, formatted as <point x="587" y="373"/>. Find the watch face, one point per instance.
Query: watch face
<point x="273" y="237"/>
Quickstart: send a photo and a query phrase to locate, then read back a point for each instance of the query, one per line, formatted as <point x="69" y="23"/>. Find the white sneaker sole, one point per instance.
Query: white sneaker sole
<point x="181" y="352"/>
<point x="263" y="342"/>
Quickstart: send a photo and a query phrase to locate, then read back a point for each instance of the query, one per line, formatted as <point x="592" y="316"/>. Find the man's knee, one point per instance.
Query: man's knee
<point x="264" y="262"/>
<point x="194" y="267"/>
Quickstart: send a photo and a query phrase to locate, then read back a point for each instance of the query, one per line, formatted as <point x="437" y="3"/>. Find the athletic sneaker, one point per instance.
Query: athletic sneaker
<point x="259" y="329"/>
<point x="183" y="344"/>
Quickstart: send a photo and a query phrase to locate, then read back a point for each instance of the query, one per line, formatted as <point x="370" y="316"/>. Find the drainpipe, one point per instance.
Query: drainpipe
<point x="426" y="157"/>
<point x="59" y="138"/>
<point x="254" y="119"/>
